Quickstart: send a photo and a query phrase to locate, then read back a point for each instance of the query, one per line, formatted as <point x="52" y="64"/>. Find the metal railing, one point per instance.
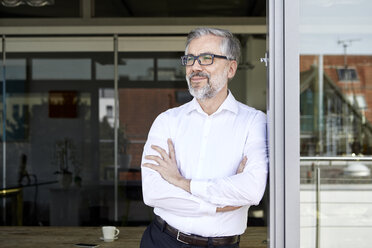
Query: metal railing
<point x="317" y="182"/>
<point x="340" y="158"/>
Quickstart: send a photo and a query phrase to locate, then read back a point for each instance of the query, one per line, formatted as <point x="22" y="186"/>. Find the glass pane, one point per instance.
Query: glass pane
<point x="170" y="70"/>
<point x="177" y="8"/>
<point x="106" y="134"/>
<point x="61" y="69"/>
<point x="135" y="122"/>
<point x="43" y="144"/>
<point x="336" y="129"/>
<point x="15" y="69"/>
<point x="60" y="136"/>
<point x="50" y="140"/>
<point x="128" y="70"/>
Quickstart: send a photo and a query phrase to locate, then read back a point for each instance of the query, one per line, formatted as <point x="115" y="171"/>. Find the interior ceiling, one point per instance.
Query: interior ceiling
<point x="142" y="8"/>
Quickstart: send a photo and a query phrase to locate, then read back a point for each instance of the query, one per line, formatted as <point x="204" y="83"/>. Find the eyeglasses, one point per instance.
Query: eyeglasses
<point x="203" y="59"/>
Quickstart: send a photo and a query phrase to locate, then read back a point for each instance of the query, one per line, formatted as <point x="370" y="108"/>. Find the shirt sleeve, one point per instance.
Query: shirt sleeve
<point x="246" y="188"/>
<point x="159" y="193"/>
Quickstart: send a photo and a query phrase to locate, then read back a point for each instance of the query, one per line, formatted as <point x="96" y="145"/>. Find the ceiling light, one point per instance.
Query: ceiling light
<point x="32" y="3"/>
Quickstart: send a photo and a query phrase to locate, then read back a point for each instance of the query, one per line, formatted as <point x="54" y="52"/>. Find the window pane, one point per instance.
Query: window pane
<point x="15" y="69"/>
<point x="67" y="125"/>
<point x="128" y="70"/>
<point x="170" y="70"/>
<point x="347" y="74"/>
<point x="336" y="117"/>
<point x="61" y="69"/>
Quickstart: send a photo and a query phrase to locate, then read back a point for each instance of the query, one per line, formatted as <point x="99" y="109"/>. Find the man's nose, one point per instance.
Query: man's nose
<point x="196" y="66"/>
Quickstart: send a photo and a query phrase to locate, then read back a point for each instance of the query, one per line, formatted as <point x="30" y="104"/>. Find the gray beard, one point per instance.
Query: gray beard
<point x="206" y="92"/>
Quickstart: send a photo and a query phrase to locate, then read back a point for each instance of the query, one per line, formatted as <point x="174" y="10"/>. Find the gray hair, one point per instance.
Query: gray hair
<point x="230" y="45"/>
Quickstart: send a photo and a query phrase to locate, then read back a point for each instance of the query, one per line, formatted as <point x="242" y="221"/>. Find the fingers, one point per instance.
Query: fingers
<point x="227" y="209"/>
<point x="151" y="166"/>
<point x="154" y="158"/>
<point x="242" y="165"/>
<point x="244" y="160"/>
<point x="172" y="153"/>
<point x="161" y="151"/>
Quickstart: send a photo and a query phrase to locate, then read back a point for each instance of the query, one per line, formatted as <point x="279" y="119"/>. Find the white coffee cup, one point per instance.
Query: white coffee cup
<point x="110" y="233"/>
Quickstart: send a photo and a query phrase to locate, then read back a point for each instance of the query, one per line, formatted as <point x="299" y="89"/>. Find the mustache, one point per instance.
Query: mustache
<point x="199" y="74"/>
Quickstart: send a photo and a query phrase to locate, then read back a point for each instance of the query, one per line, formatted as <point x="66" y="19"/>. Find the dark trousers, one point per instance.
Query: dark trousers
<point x="155" y="237"/>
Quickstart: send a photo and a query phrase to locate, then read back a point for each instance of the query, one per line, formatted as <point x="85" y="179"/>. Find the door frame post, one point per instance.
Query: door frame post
<point x="283" y="123"/>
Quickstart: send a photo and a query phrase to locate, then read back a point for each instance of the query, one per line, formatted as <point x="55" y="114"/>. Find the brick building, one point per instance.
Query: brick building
<point x="138" y="119"/>
<point x="343" y="117"/>
<point x="354" y="79"/>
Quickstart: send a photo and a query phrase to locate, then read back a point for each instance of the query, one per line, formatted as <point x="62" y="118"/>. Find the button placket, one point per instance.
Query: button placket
<point x="204" y="141"/>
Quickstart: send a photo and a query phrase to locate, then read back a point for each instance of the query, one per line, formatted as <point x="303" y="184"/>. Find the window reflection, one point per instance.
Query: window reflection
<point x="347" y="74"/>
<point x="61" y="69"/>
<point x="345" y="126"/>
<point x="336" y="123"/>
<point x="60" y="115"/>
<point x="128" y="69"/>
<point x="15" y="69"/>
<point x="170" y="70"/>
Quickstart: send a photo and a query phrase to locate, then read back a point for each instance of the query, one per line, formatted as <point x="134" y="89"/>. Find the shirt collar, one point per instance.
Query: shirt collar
<point x="230" y="104"/>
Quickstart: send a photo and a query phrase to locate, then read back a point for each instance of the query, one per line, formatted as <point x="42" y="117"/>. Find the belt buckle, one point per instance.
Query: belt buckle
<point x="178" y="238"/>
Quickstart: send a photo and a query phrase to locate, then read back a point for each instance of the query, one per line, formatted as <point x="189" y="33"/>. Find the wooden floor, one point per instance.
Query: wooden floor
<point x="129" y="237"/>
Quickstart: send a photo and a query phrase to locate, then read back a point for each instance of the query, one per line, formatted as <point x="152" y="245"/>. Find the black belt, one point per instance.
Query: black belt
<point x="191" y="239"/>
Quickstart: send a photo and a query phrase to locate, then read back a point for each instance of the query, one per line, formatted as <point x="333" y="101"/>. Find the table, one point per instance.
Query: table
<point x="129" y="237"/>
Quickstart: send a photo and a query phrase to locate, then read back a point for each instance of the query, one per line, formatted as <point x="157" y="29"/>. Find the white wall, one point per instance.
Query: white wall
<point x="249" y="84"/>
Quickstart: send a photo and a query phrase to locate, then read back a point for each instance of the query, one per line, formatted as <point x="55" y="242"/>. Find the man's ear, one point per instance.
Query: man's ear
<point x="232" y="69"/>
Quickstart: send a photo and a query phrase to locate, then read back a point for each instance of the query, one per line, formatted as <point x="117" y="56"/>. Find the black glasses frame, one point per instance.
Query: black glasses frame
<point x="184" y="58"/>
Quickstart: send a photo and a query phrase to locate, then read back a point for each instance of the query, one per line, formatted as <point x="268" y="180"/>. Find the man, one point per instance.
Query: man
<point x="204" y="163"/>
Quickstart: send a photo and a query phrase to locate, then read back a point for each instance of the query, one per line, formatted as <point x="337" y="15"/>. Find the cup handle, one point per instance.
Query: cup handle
<point x="117" y="232"/>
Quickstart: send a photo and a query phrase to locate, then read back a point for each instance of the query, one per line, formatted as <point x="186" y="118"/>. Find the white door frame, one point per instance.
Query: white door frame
<point x="283" y="123"/>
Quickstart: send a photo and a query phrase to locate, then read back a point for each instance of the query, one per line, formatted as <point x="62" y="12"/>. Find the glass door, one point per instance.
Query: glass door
<point x="50" y="149"/>
<point x="77" y="115"/>
<point x="335" y="116"/>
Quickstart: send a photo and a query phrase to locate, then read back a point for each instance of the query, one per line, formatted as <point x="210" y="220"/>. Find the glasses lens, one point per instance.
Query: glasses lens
<point x="187" y="60"/>
<point x="206" y="59"/>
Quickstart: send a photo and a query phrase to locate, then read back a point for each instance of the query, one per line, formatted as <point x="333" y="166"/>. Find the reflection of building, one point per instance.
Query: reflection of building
<point x="354" y="79"/>
<point x="106" y="105"/>
<point x="138" y="108"/>
<point x="168" y="73"/>
<point x="342" y="126"/>
<point x="335" y="112"/>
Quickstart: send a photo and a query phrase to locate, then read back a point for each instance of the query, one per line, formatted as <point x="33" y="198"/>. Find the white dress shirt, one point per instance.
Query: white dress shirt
<point x="208" y="149"/>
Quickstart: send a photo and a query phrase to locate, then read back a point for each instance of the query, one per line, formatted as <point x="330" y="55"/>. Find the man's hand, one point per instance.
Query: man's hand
<point x="227" y="209"/>
<point x="167" y="166"/>
<point x="242" y="165"/>
<point x="168" y="169"/>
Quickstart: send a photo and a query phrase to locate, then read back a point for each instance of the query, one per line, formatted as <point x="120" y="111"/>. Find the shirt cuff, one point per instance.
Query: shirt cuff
<point x="207" y="208"/>
<point x="199" y="189"/>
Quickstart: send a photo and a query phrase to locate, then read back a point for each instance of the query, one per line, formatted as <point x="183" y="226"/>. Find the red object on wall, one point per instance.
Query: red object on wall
<point x="63" y="104"/>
